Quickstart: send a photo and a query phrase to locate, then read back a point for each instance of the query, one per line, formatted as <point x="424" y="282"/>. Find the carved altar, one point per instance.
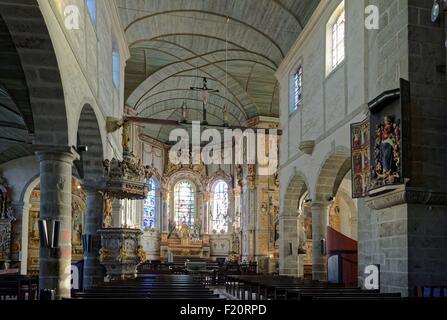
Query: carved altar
<point x="184" y="241"/>
<point x="121" y="252"/>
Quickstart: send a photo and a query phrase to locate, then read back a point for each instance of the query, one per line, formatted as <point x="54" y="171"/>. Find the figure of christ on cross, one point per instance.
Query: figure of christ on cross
<point x="206" y="93"/>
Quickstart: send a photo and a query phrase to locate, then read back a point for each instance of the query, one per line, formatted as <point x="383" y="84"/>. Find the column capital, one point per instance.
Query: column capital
<point x="58" y="153"/>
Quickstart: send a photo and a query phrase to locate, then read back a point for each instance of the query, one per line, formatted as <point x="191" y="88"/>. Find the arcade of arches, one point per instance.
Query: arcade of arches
<point x="310" y="69"/>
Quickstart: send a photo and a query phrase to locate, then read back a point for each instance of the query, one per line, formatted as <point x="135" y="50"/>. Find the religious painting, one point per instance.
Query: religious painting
<point x="377" y="147"/>
<point x="360" y="146"/>
<point x="387" y="119"/>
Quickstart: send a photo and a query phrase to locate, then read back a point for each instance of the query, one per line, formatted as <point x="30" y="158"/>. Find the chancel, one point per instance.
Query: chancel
<point x="320" y="172"/>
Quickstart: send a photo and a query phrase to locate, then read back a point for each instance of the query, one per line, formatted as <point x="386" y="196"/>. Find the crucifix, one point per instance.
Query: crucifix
<point x="206" y="93"/>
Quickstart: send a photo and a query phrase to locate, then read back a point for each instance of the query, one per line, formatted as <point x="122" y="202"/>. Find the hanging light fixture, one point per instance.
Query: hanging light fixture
<point x="184" y="112"/>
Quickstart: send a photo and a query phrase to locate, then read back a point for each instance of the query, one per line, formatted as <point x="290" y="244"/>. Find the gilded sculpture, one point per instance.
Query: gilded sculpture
<point x="141" y="254"/>
<point x="103" y="254"/>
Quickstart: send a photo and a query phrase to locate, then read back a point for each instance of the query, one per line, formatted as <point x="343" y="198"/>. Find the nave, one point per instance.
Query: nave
<point x="223" y="149"/>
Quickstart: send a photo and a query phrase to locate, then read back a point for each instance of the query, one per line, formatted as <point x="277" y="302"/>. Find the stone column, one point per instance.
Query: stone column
<point x="288" y="245"/>
<point x="302" y="242"/>
<point x="20" y="228"/>
<point x="158" y="210"/>
<point x="165" y="211"/>
<point x="55" y="204"/>
<point x="93" y="221"/>
<point x="231" y="210"/>
<point x="319" y="226"/>
<point x="206" y="213"/>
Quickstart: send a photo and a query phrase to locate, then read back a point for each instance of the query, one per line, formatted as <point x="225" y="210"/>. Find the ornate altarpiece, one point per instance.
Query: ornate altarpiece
<point x="78" y="207"/>
<point x="6" y="223"/>
<point x="377" y="145"/>
<point x="185" y="240"/>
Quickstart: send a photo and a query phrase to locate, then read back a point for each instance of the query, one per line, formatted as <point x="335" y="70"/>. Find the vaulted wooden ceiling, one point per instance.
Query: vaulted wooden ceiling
<point x="174" y="44"/>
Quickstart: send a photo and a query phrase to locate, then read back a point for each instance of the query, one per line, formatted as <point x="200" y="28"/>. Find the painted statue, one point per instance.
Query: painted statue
<point x="386" y="152"/>
<point x="236" y="245"/>
<point x="77" y="234"/>
<point x="390" y="136"/>
<point x="108" y="212"/>
<point x="302" y="238"/>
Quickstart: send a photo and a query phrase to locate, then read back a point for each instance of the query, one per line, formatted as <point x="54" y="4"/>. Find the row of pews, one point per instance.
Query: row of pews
<point x="19" y="287"/>
<point x="160" y="286"/>
<point x="289" y="288"/>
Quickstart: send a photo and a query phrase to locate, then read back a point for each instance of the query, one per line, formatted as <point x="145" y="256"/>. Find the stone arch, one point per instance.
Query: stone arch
<point x="47" y="111"/>
<point x="190" y="175"/>
<point x="29" y="187"/>
<point x="91" y="170"/>
<point x="334" y="168"/>
<point x="90" y="166"/>
<point x="296" y="188"/>
<point x="219" y="176"/>
<point x="24" y="220"/>
<point x="288" y="227"/>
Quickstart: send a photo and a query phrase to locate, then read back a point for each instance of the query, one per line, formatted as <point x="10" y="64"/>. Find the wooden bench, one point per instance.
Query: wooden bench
<point x="13" y="285"/>
<point x="290" y="288"/>
<point x="150" y="287"/>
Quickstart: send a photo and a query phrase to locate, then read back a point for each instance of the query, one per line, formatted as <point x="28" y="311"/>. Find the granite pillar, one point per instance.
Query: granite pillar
<point x="55" y="204"/>
<point x="319" y="226"/>
<point x="93" y="273"/>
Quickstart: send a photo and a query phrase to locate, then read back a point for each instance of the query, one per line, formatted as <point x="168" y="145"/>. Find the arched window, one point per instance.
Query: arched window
<point x="116" y="66"/>
<point x="338" y="40"/>
<point x="297" y="88"/>
<point x="184" y="203"/>
<point x="91" y="7"/>
<point x="220" y="207"/>
<point x="150" y="206"/>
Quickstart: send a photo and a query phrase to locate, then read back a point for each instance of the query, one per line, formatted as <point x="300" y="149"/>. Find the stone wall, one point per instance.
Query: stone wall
<point x="383" y="240"/>
<point x="407" y="239"/>
<point x="77" y="61"/>
<point x="85" y="62"/>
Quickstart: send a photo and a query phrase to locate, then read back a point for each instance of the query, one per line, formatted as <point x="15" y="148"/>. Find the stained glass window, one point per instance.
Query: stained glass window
<point x="150" y="216"/>
<point x="184" y="204"/>
<point x="220" y="207"/>
<point x="298" y="88"/>
<point x="338" y="40"/>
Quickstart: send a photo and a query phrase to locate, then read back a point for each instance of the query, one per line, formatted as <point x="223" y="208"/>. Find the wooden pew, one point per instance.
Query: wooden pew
<point x="150" y="287"/>
<point x="14" y="285"/>
<point x="289" y="288"/>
